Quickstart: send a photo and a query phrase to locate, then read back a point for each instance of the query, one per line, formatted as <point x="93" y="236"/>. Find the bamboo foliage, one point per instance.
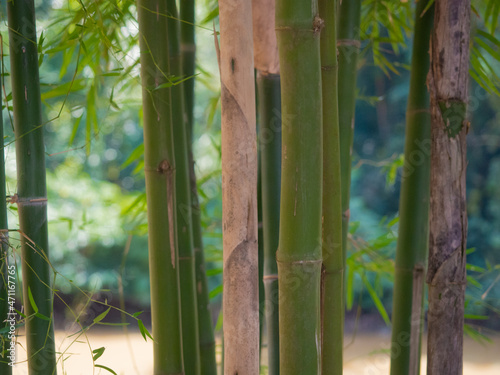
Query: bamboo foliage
<point x="208" y="364"/>
<point x="446" y="275"/>
<point x="159" y="170"/>
<point x="239" y="190"/>
<point x="332" y="305"/>
<point x="299" y="256"/>
<point x="413" y="236"/>
<point x="187" y="278"/>
<point x="31" y="194"/>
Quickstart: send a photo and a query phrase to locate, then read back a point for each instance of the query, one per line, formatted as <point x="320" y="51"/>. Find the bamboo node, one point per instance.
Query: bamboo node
<point x="349" y="42"/>
<point x="318" y="24"/>
<point x="28" y="200"/>
<point x="270" y="277"/>
<point x="164" y="167"/>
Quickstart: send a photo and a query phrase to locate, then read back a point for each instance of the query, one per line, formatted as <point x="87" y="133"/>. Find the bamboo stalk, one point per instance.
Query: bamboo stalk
<point x="208" y="364"/>
<point x="413" y="235"/>
<point x="446" y="274"/>
<point x="239" y="190"/>
<point x="159" y="168"/>
<point x="266" y="62"/>
<point x="299" y="255"/>
<point x="348" y="46"/>
<point x="260" y="247"/>
<point x="332" y="309"/>
<point x="31" y="187"/>
<point x="5" y="368"/>
<point x="187" y="277"/>
<point x="269" y="108"/>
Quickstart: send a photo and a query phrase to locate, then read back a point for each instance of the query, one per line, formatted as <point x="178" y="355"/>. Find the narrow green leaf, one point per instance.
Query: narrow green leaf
<point x="98" y="352"/>
<point x="32" y="301"/>
<point x="106" y="368"/>
<point x="75" y="129"/>
<point x="101" y="316"/>
<point x="216" y="291"/>
<point x="378" y="303"/>
<point x="143" y="329"/>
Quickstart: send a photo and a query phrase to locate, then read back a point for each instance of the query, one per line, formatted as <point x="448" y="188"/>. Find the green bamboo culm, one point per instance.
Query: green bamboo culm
<point x="348" y="43"/>
<point x="260" y="245"/>
<point x="159" y="168"/>
<point x="332" y="301"/>
<point x="5" y="345"/>
<point x="269" y="108"/>
<point x="208" y="362"/>
<point x="31" y="188"/>
<point x="187" y="278"/>
<point x="413" y="236"/>
<point x="299" y="258"/>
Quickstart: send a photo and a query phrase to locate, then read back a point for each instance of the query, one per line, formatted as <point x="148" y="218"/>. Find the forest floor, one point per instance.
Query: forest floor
<point x="366" y="355"/>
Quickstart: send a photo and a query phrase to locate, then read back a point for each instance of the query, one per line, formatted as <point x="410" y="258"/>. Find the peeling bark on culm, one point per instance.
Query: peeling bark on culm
<point x="446" y="275"/>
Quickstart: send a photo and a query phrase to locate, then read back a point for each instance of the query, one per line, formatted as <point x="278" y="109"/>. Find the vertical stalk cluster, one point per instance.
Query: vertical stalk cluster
<point x="413" y="236"/>
<point x="266" y="62"/>
<point x="299" y="258"/>
<point x="159" y="168"/>
<point x="239" y="190"/>
<point x="348" y="50"/>
<point x="208" y="364"/>
<point x="446" y="275"/>
<point x="187" y="279"/>
<point x="332" y="301"/>
<point x="31" y="185"/>
<point x="5" y="368"/>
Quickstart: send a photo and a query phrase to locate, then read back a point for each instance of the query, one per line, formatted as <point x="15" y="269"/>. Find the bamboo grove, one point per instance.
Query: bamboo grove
<point x="288" y="73"/>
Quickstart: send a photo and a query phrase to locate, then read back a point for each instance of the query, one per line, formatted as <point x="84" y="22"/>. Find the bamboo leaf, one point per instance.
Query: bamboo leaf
<point x="216" y="291"/>
<point x="98" y="352"/>
<point x="101" y="316"/>
<point x="143" y="330"/>
<point x="74" y="131"/>
<point x="32" y="301"/>
<point x="378" y="303"/>
<point x="106" y="368"/>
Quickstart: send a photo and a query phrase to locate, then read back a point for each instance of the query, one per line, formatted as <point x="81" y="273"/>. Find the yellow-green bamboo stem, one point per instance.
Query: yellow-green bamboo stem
<point x="6" y="322"/>
<point x="187" y="278"/>
<point x="31" y="188"/>
<point x="208" y="364"/>
<point x="332" y="302"/>
<point x="269" y="109"/>
<point x="159" y="168"/>
<point x="298" y="28"/>
<point x="413" y="236"/>
<point x="348" y="46"/>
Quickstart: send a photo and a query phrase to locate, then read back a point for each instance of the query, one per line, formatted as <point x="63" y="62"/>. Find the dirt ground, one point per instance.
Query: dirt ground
<point x="367" y="355"/>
